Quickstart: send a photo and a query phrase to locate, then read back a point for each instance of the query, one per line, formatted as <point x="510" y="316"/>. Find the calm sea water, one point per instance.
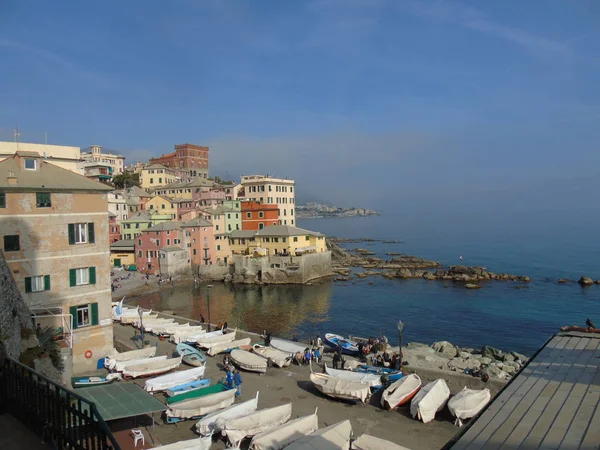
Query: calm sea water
<point x="497" y="315"/>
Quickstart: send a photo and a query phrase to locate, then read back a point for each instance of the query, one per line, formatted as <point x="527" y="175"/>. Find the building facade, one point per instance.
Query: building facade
<point x="200" y="242"/>
<point x="67" y="157"/>
<point x="272" y="191"/>
<point x="149" y="243"/>
<point x="114" y="228"/>
<point x="117" y="205"/>
<point x="277" y="240"/>
<point x="98" y="171"/>
<point x="257" y="215"/>
<point x="94" y="154"/>
<point x="156" y="175"/>
<point x="190" y="158"/>
<point x="233" y="215"/>
<point x="133" y="227"/>
<point x="163" y="205"/>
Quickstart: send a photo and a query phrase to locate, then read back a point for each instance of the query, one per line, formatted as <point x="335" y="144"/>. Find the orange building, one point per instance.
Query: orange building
<point x="188" y="158"/>
<point x="257" y="215"/>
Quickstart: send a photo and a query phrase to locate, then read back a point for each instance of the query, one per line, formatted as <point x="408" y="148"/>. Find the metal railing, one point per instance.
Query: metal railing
<point x="59" y="416"/>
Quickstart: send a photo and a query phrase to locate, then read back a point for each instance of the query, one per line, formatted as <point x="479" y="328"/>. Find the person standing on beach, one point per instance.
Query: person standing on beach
<point x="237" y="380"/>
<point x="202" y="319"/>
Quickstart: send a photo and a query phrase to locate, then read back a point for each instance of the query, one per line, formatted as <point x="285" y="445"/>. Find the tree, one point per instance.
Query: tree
<point x="126" y="180"/>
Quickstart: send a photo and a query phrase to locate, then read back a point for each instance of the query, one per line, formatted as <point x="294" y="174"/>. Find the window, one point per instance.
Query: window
<point x="168" y="242"/>
<point x="270" y="188"/>
<point x="291" y="212"/>
<point x="229" y="216"/>
<point x="2" y="200"/>
<point x="217" y="227"/>
<point x="82" y="276"/>
<point x="218" y="247"/>
<point x="285" y="212"/>
<point x="229" y="227"/>
<point x="194" y="251"/>
<point x="163" y="206"/>
<point x="261" y="214"/>
<point x="295" y="238"/>
<point x="249" y="215"/>
<point x="292" y="221"/>
<point x="306" y="238"/>
<point x="160" y="180"/>
<point x="37" y="284"/>
<point x="261" y="226"/>
<point x="81" y="233"/>
<point x="139" y="253"/>
<point x="151" y="180"/>
<point x="30" y="164"/>
<point x="11" y="243"/>
<point x="275" y="239"/>
<point x="140" y="242"/>
<point x="84" y="315"/>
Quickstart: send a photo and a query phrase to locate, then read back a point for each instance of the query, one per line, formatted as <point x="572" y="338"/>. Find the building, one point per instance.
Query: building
<point x="163" y="205"/>
<point x="151" y="240"/>
<point x="98" y="171"/>
<point x="173" y="261"/>
<point x="63" y="156"/>
<point x="188" y="190"/>
<point x="133" y="227"/>
<point x="233" y="215"/>
<point x="200" y="242"/>
<point x="271" y="191"/>
<point x="122" y="253"/>
<point x="136" y="198"/>
<point x="94" y="154"/>
<point x="190" y="158"/>
<point x="114" y="228"/>
<point x="257" y="215"/>
<point x="280" y="240"/>
<point x="54" y="226"/>
<point x="117" y="205"/>
<point x="157" y="175"/>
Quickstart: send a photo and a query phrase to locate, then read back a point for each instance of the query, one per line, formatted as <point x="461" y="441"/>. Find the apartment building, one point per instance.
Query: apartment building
<point x="156" y="175"/>
<point x="271" y="191"/>
<point x="114" y="162"/>
<point x="257" y="215"/>
<point x="189" y="158"/>
<point x="64" y="156"/>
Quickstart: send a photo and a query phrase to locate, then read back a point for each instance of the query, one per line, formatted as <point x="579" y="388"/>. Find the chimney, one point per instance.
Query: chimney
<point x="11" y="179"/>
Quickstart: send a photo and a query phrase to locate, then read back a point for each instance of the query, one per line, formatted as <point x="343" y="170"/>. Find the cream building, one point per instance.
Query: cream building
<point x="63" y="156"/>
<point x="155" y="175"/>
<point x="277" y="240"/>
<point x="265" y="189"/>
<point x="116" y="163"/>
<point x="117" y="204"/>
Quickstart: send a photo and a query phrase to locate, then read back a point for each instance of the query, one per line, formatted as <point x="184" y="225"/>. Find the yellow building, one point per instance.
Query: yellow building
<point x="155" y="175"/>
<point x="277" y="240"/>
<point x="64" y="156"/>
<point x="187" y="190"/>
<point x="122" y="253"/>
<point x="162" y="205"/>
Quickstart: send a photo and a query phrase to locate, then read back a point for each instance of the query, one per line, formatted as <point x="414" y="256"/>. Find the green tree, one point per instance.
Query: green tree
<point x="126" y="180"/>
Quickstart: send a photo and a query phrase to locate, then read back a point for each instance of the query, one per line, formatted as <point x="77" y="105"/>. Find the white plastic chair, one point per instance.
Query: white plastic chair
<point x="137" y="435"/>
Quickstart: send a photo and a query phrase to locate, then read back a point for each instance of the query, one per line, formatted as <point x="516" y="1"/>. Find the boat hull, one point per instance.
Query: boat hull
<point x="348" y="347"/>
<point x="401" y="392"/>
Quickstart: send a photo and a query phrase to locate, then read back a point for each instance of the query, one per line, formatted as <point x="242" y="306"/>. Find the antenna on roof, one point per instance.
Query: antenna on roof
<point x="16" y="135"/>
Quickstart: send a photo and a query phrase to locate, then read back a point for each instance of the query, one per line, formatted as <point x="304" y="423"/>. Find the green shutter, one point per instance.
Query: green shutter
<point x="72" y="235"/>
<point x="27" y="285"/>
<point x="72" y="277"/>
<point x="91" y="234"/>
<point x="94" y="313"/>
<point x="46" y="282"/>
<point x="73" y="311"/>
<point x="92" y="275"/>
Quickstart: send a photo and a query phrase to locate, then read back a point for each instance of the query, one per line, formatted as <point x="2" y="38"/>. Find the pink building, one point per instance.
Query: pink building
<point x="207" y="196"/>
<point x="200" y="237"/>
<point x="185" y="206"/>
<point x="148" y="244"/>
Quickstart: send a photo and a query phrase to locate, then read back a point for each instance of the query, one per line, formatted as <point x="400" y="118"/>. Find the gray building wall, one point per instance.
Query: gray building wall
<point x="174" y="262"/>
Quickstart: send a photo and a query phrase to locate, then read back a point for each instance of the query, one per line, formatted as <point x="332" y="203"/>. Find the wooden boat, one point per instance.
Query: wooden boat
<point x="149" y="325"/>
<point x="430" y="399"/>
<point x="291" y="348"/>
<point x="181" y="330"/>
<point x="467" y="403"/>
<point x="79" y="382"/>
<point x="171" y="328"/>
<point x="368" y="442"/>
<point x="189" y="336"/>
<point x="338" y="388"/>
<point x="174" y="379"/>
<point x="401" y="391"/>
<point x="208" y="424"/>
<point x="201" y="443"/>
<point x="370" y="379"/>
<point x="390" y="374"/>
<point x="248" y="361"/>
<point x="279" y="358"/>
<point x="209" y="341"/>
<point x="197" y="407"/>
<point x="121" y="365"/>
<point x="151" y="368"/>
<point x="237" y="429"/>
<point x="191" y="355"/>
<point x="197" y="393"/>
<point x="187" y="387"/>
<point x="334" y="437"/>
<point x="582" y="329"/>
<point x="147" y="352"/>
<point x="348" y="347"/>
<point x="278" y="437"/>
<point x="133" y="318"/>
<point x="228" y="346"/>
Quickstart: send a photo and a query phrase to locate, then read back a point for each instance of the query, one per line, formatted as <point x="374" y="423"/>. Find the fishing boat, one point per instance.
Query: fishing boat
<point x="280" y="436"/>
<point x="197" y="393"/>
<point x="279" y="358"/>
<point x="334" y="437"/>
<point x="229" y="346"/>
<point x="348" y="347"/>
<point x="119" y="366"/>
<point x="133" y="318"/>
<point x="401" y="391"/>
<point x="169" y="329"/>
<point x="430" y="399"/>
<point x="370" y="379"/>
<point x="181" y="330"/>
<point x="191" y="355"/>
<point x="368" y="442"/>
<point x="191" y="336"/>
<point x="200" y="406"/>
<point x="150" y="325"/>
<point x="209" y="341"/>
<point x="151" y="368"/>
<point x="79" y="382"/>
<point x="390" y="374"/>
<point x="174" y="379"/>
<point x="291" y="348"/>
<point x="208" y="424"/>
<point x="237" y="429"/>
<point x="147" y="352"/>
<point x="248" y="361"/>
<point x="467" y="403"/>
<point x="187" y="387"/>
<point x="338" y="388"/>
<point x="201" y="443"/>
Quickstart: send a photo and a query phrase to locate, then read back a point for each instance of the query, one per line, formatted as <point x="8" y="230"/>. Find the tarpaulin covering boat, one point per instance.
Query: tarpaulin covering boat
<point x="201" y="443"/>
<point x="237" y="429"/>
<point x="151" y="368"/>
<point x="338" y="388"/>
<point x="370" y="379"/>
<point x="278" y="437"/>
<point x="401" y="391"/>
<point x="248" y="361"/>
<point x="147" y="352"/>
<point x="173" y="379"/>
<point x="368" y="442"/>
<point x="190" y="395"/>
<point x="218" y="348"/>
<point x="279" y="358"/>
<point x="430" y="399"/>
<point x="208" y="341"/>
<point x="119" y="366"/>
<point x="287" y="346"/>
<point x="200" y="406"/>
<point x="208" y="423"/>
<point x="334" y="437"/>
<point x="467" y="403"/>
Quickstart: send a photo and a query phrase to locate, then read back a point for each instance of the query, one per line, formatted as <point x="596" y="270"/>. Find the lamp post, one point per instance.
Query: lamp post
<point x="208" y="288"/>
<point x="141" y="314"/>
<point x="400" y="328"/>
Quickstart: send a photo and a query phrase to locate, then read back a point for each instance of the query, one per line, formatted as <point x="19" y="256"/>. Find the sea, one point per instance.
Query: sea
<point x="498" y="314"/>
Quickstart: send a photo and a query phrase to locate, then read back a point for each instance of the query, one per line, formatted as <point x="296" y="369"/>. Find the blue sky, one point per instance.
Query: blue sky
<point x="377" y="103"/>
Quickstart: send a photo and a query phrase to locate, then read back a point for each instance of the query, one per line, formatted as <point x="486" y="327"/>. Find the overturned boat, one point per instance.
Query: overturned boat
<point x="467" y="403"/>
<point x="281" y="436"/>
<point x="200" y="406"/>
<point x="401" y="391"/>
<point x="248" y="361"/>
<point x="337" y="388"/>
<point x="252" y="424"/>
<point x="289" y="347"/>
<point x="170" y="380"/>
<point x="228" y="346"/>
<point x="113" y="359"/>
<point x="279" y="358"/>
<point x="191" y="355"/>
<point x="430" y="399"/>
<point x="151" y="368"/>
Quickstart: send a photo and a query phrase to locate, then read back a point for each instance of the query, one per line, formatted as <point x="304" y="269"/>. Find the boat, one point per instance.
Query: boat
<point x="338" y="388"/>
<point x="197" y="407"/>
<point x="120" y="365"/>
<point x="279" y="358"/>
<point x="151" y="368"/>
<point x="237" y="429"/>
<point x="192" y="338"/>
<point x="400" y="392"/>
<point x="430" y="399"/>
<point x="187" y="387"/>
<point x="278" y="437"/>
<point x="209" y="341"/>
<point x="467" y="403"/>
<point x="348" y="347"/>
<point x="147" y="352"/>
<point x="390" y="374"/>
<point x="334" y="437"/>
<point x="150" y="325"/>
<point x="174" y="379"/>
<point x="201" y="443"/>
<point x="191" y="355"/>
<point x="133" y="318"/>
<point x="291" y="348"/>
<point x="248" y="361"/>
<point x="78" y="382"/>
<point x="169" y="329"/>
<point x="208" y="423"/>
<point x="368" y="442"/>
<point x="228" y="346"/>
<point x="181" y="330"/>
<point x="370" y="379"/>
<point x="197" y="393"/>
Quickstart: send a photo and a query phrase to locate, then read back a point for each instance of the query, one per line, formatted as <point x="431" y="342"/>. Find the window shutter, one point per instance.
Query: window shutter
<point x="71" y="234"/>
<point x="46" y="282"/>
<point x="73" y="311"/>
<point x="94" y="313"/>
<point x="72" y="277"/>
<point x="91" y="234"/>
<point x="92" y="275"/>
<point x="27" y="285"/>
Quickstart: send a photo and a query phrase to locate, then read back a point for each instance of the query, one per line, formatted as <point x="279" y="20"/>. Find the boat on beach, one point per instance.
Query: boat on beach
<point x="79" y="382"/>
<point x="279" y="358"/>
<point x="342" y="389"/>
<point x="180" y="330"/>
<point x="391" y="374"/>
<point x="348" y="347"/>
<point x="430" y="399"/>
<point x="192" y="337"/>
<point x="252" y="424"/>
<point x="368" y="442"/>
<point x="209" y="341"/>
<point x="333" y="437"/>
<point x="119" y="366"/>
<point x="151" y="368"/>
<point x="191" y="355"/>
<point x="248" y="361"/>
<point x="197" y="393"/>
<point x="201" y="443"/>
<point x="467" y="403"/>
<point x="288" y="347"/>
<point x="208" y="423"/>
<point x="174" y="379"/>
<point x="147" y="352"/>
<point x="198" y="407"/>
<point x="401" y="391"/>
<point x="228" y="346"/>
<point x="280" y="436"/>
<point x="133" y="318"/>
<point x="187" y="387"/>
<point x="150" y="325"/>
<point x="370" y="379"/>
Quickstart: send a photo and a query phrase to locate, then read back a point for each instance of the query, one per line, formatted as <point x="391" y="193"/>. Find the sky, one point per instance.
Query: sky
<point x="475" y="107"/>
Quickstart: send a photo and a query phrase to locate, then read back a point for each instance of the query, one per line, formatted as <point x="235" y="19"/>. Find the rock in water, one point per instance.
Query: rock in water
<point x="472" y="286"/>
<point x="585" y="281"/>
<point x="446" y="348"/>
<point x="491" y="352"/>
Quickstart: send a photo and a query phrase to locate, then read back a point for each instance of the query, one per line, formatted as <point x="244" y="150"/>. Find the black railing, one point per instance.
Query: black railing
<point x="59" y="416"/>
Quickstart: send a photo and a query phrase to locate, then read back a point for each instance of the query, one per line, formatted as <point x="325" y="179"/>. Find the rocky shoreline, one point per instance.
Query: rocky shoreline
<point x="320" y="211"/>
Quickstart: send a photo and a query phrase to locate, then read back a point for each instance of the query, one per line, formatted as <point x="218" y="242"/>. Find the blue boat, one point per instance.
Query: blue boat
<point x="348" y="347"/>
<point x="391" y="374"/>
<point x="191" y="355"/>
<point x="187" y="387"/>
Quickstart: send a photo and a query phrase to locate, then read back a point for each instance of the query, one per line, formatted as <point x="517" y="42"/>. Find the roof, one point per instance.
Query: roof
<point x="172" y="249"/>
<point x="551" y="403"/>
<point x="47" y="177"/>
<point x="286" y="230"/>
<point x="198" y="182"/>
<point x="111" y="214"/>
<point x="139" y="216"/>
<point x="164" y="226"/>
<point x="123" y="243"/>
<point x="155" y="166"/>
<point x="136" y="191"/>
<point x="197" y="222"/>
<point x="242" y="234"/>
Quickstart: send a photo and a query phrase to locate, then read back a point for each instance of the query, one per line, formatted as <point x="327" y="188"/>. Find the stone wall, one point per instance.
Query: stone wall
<point x="174" y="262"/>
<point x="213" y="272"/>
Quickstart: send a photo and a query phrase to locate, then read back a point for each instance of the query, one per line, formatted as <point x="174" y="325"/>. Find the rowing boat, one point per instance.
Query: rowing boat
<point x="197" y="407"/>
<point x="210" y="341"/>
<point x="208" y="423"/>
<point x="467" y="403"/>
<point x="291" y="348"/>
<point x="334" y="437"/>
<point x="248" y="361"/>
<point x="191" y="355"/>
<point x="79" y="382"/>
<point x="390" y="374"/>
<point x="147" y="352"/>
<point x="228" y="346"/>
<point x="401" y="391"/>
<point x="201" y="443"/>
<point x="370" y="379"/>
<point x="348" y="347"/>
<point x="430" y="399"/>
<point x="197" y="393"/>
<point x="151" y="368"/>
<point x="276" y="438"/>
<point x="279" y="358"/>
<point x="368" y="442"/>
<point x="187" y="387"/>
<point x="237" y="429"/>
<point x="338" y="388"/>
<point x="119" y="366"/>
<point x="174" y="379"/>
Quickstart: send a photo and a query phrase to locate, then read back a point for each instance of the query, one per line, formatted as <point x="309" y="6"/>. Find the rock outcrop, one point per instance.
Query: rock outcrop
<point x="585" y="281"/>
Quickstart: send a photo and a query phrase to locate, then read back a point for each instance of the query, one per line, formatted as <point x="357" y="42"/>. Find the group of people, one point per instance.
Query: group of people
<point x="233" y="378"/>
<point x="309" y="355"/>
<point x="385" y="360"/>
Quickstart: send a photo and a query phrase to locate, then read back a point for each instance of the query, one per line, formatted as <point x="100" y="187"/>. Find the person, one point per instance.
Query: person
<point x="220" y="325"/>
<point x="342" y="362"/>
<point x="229" y="381"/>
<point x="397" y="362"/>
<point x="226" y="363"/>
<point x="311" y="342"/>
<point x="361" y="349"/>
<point x="307" y="356"/>
<point x="202" y="319"/>
<point x="460" y="258"/>
<point x="336" y="360"/>
<point x="299" y="358"/>
<point x="267" y="339"/>
<point x="237" y="380"/>
<point x="317" y="354"/>
<point x="225" y="327"/>
<point x="339" y="349"/>
<point x="319" y="342"/>
<point x="38" y="328"/>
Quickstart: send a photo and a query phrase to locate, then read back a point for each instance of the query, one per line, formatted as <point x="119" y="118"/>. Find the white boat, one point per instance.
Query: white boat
<point x="181" y="329"/>
<point x="401" y="391"/>
<point x="430" y="399"/>
<point x="149" y="325"/>
<point x="131" y="318"/>
<point x="201" y="443"/>
<point x="368" y="442"/>
<point x="190" y="336"/>
<point x="467" y="403"/>
<point x="120" y="365"/>
<point x="171" y="327"/>
<point x="208" y="423"/>
<point x="218" y="348"/>
<point x="237" y="429"/>
<point x="289" y="347"/>
<point x="278" y="437"/>
<point x="334" y="437"/>
<point x="200" y="406"/>
<point x="174" y="379"/>
<point x="279" y="358"/>
<point x="209" y="341"/>
<point x="147" y="352"/>
<point x="370" y="379"/>
<point x="151" y="368"/>
<point x="338" y="388"/>
<point x="248" y="361"/>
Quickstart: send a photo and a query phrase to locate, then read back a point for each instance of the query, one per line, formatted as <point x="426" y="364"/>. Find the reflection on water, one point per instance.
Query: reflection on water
<point x="279" y="309"/>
